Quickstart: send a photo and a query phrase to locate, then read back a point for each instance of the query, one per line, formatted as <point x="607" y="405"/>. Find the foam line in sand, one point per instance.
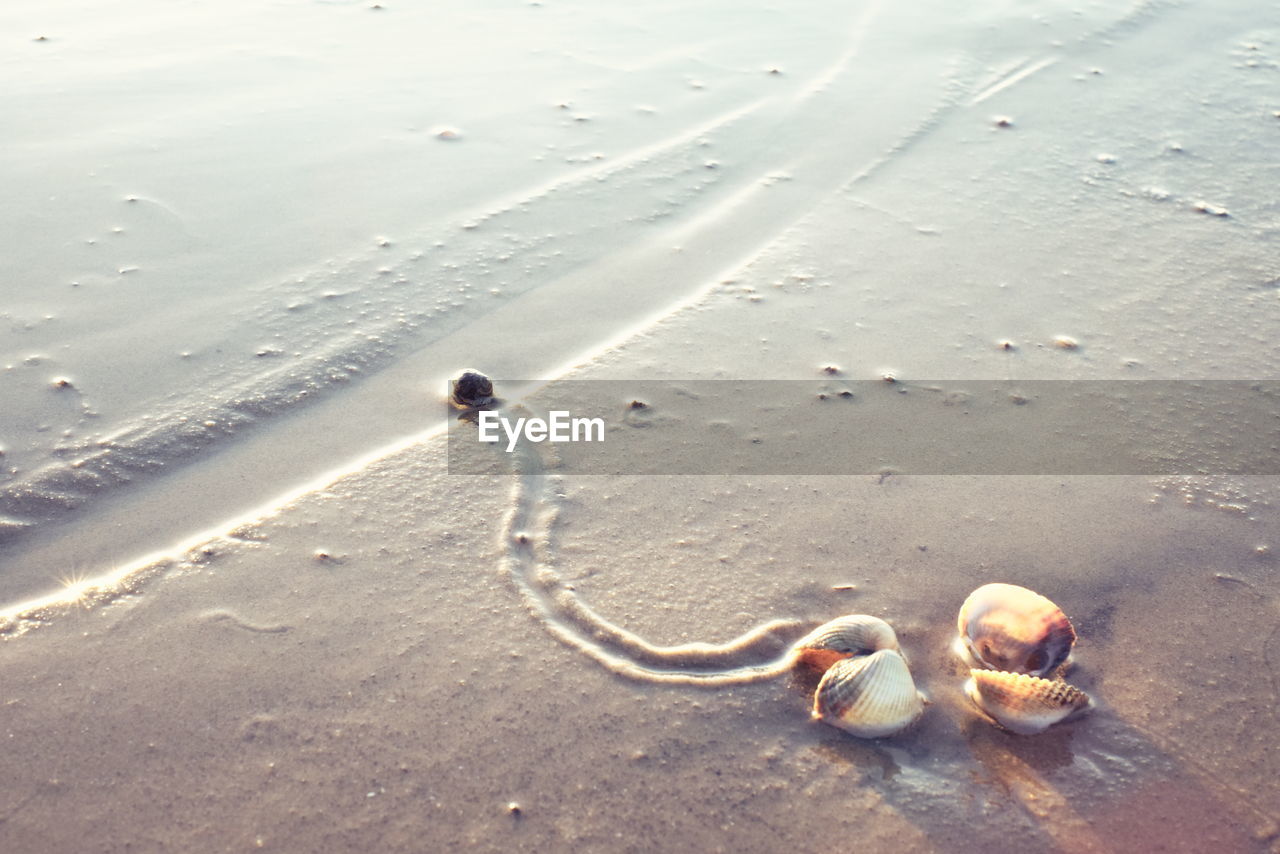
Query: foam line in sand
<point x="17" y="617"/>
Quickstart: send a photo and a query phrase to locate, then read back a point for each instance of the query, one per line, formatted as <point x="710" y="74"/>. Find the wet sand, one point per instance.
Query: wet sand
<point x="311" y="683"/>
<point x="269" y="617"/>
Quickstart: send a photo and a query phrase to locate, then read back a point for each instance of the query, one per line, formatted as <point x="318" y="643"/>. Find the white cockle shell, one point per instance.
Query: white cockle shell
<point x="869" y="696"/>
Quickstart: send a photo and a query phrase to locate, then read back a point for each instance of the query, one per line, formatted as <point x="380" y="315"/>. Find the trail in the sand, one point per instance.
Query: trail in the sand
<point x="526" y="540"/>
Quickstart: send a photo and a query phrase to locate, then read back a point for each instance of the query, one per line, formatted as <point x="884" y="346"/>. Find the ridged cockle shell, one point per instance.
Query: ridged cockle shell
<point x="844" y="637"/>
<point x="1007" y="627"/>
<point x="869" y="696"/>
<point x="1024" y="704"/>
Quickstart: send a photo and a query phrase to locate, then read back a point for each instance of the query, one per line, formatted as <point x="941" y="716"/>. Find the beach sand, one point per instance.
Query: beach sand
<point x="249" y="602"/>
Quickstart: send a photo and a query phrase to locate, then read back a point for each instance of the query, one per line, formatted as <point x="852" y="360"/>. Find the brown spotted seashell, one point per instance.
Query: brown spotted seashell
<point x="869" y="696"/>
<point x="1024" y="704"/>
<point x="1011" y="628"/>
<point x="471" y="389"/>
<point x="844" y="637"/>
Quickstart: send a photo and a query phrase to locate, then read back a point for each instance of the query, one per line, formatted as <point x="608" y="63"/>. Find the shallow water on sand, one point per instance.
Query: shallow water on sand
<point x="249" y="245"/>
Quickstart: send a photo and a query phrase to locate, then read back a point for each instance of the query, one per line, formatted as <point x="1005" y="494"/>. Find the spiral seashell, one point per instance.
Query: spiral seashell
<point x="844" y="637"/>
<point x="869" y="696"/>
<point x="1011" y="628"/>
<point x="1024" y="704"/>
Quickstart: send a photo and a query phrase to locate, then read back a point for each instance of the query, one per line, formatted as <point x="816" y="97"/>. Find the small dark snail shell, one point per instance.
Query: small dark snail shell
<point x="471" y="389"/>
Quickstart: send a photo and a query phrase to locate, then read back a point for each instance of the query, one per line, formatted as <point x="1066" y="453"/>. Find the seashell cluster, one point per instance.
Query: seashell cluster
<point x="1018" y="646"/>
<point x="866" y="688"/>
